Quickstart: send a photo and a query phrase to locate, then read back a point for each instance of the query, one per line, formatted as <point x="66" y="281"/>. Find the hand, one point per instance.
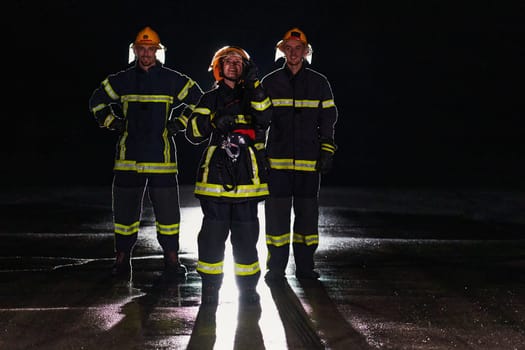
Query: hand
<point x="224" y="122"/>
<point x="324" y="163"/>
<point x="174" y="126"/>
<point x="250" y="73"/>
<point x="117" y="125"/>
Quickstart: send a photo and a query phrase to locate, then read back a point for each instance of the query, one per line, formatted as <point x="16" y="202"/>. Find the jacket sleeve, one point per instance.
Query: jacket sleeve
<point x="188" y="96"/>
<point x="328" y="118"/>
<point x="104" y="103"/>
<point x="199" y="127"/>
<point x="261" y="110"/>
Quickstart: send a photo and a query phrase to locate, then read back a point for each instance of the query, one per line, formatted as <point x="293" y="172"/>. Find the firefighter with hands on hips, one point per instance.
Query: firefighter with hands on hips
<point x="300" y="147"/>
<point x="137" y="104"/>
<point x="232" y="174"/>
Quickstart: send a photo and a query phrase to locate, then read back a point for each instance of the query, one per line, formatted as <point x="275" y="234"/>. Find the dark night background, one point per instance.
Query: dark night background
<point x="430" y="93"/>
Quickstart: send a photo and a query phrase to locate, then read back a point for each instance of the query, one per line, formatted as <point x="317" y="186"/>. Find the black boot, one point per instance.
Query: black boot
<point x="172" y="265"/>
<point x="275" y="277"/>
<point x="122" y="265"/>
<point x="210" y="294"/>
<point x="248" y="296"/>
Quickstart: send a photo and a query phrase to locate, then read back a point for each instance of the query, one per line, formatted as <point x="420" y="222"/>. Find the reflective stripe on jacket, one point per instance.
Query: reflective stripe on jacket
<point x="145" y="100"/>
<point x="304" y="115"/>
<point x="219" y="176"/>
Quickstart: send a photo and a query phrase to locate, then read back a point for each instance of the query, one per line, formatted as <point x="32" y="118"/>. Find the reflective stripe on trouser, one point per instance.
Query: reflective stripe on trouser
<point x="277" y="216"/>
<point x="165" y="202"/>
<point x="211" y="244"/>
<point x="306" y="234"/>
<point x="127" y="206"/>
<point x="244" y="237"/>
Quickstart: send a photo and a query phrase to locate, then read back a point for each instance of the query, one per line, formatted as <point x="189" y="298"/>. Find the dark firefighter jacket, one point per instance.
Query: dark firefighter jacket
<point x="303" y="118"/>
<point x="219" y="176"/>
<point x="145" y="101"/>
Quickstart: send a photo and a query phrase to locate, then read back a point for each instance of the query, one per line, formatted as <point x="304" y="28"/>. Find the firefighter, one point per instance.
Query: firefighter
<point x="139" y="104"/>
<point x="232" y="175"/>
<point x="300" y="147"/>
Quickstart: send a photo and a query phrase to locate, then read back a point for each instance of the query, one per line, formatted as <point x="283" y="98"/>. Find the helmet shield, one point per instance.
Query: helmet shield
<point x="280" y="54"/>
<point x="160" y="54"/>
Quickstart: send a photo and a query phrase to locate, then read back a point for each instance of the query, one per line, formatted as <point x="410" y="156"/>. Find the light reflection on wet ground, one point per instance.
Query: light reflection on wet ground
<point x="406" y="278"/>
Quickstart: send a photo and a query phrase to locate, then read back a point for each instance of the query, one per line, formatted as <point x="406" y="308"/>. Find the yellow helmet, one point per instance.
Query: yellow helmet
<point x="224" y="51"/>
<point x="148" y="36"/>
<point x="293" y="34"/>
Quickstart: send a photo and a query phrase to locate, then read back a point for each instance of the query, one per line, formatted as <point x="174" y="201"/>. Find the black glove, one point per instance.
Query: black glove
<point x="250" y="73"/>
<point x="174" y="126"/>
<point x="117" y="125"/>
<point x="224" y="122"/>
<point x="324" y="163"/>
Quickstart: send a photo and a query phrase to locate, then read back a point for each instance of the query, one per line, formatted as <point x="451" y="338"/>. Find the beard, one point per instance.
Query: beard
<point x="147" y="62"/>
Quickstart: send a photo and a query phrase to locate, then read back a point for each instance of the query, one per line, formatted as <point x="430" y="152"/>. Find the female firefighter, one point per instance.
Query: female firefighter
<point x="231" y="177"/>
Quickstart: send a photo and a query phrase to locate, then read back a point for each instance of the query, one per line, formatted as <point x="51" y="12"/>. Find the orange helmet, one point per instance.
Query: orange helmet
<point x="224" y="51"/>
<point x="148" y="36"/>
<point x="293" y="34"/>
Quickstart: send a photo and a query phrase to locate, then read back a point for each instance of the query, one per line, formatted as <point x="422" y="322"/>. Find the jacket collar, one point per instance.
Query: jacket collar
<point x="155" y="68"/>
<point x="289" y="72"/>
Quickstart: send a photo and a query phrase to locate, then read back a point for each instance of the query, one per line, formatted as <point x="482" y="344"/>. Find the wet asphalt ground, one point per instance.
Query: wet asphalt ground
<point x="400" y="269"/>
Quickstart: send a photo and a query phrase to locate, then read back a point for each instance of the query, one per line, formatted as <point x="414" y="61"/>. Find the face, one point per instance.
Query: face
<point x="294" y="51"/>
<point x="232" y="67"/>
<point x="145" y="55"/>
